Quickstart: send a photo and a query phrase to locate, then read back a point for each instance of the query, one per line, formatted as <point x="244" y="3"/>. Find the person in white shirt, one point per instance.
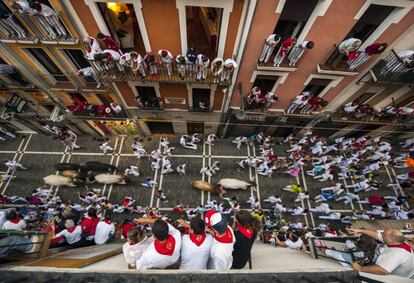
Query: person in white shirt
<point x="239" y="140"/>
<point x="293" y="241"/>
<point x="90" y="72"/>
<point x="181" y="169"/>
<point x="72" y="233"/>
<point x="135" y="246"/>
<point x="104" y="230"/>
<point x="270" y="44"/>
<point x="217" y="68"/>
<point x="132" y="170"/>
<point x="165" y="250"/>
<point x="167" y="59"/>
<point x="229" y="66"/>
<point x="396" y="257"/>
<point x="196" y="245"/>
<point x="211" y="139"/>
<point x="13" y="165"/>
<point x="105" y="147"/>
<point x="299" y="100"/>
<point x="323" y="207"/>
<point x="221" y="257"/>
<point x="273" y="199"/>
<point x="202" y="63"/>
<point x="13" y="222"/>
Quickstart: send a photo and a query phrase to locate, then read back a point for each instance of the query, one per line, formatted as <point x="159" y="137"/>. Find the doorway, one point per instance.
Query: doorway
<point x="203" y="29"/>
<point x="122" y="23"/>
<point x="201" y="98"/>
<point x="160" y="127"/>
<point x="195" y="127"/>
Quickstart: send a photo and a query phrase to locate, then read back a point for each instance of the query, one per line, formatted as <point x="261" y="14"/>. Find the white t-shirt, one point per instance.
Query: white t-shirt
<point x="396" y="261"/>
<point x="134" y="252"/>
<point x="221" y="257"/>
<point x="2" y="218"/>
<point x="103" y="230"/>
<point x="195" y="257"/>
<point x="294" y="245"/>
<point x="8" y="225"/>
<point x="71" y="237"/>
<point x="153" y="259"/>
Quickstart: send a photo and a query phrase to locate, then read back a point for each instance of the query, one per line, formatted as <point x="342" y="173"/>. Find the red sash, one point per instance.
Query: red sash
<point x="404" y="246"/>
<point x="198" y="239"/>
<point x="108" y="222"/>
<point x="70" y="230"/>
<point x="247" y="232"/>
<point x="15" y="220"/>
<point x="227" y="238"/>
<point x="167" y="247"/>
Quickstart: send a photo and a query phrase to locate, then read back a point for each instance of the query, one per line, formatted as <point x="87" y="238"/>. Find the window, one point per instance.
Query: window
<point x="317" y="86"/>
<point x="105" y="98"/>
<point x="122" y="23"/>
<point x="77" y="58"/>
<point x="41" y="56"/>
<point x="148" y="96"/>
<point x="294" y="17"/>
<point x="265" y="83"/>
<point x="201" y="98"/>
<point x="370" y="20"/>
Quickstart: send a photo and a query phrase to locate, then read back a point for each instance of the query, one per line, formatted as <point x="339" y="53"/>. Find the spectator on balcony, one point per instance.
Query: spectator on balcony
<point x="396" y="257"/>
<point x="298" y="101"/>
<point x="311" y="105"/>
<point x="349" y="45"/>
<point x="128" y="59"/>
<point x="49" y="19"/>
<point x="181" y="62"/>
<point x="108" y="42"/>
<point x="359" y="58"/>
<point x="407" y="58"/>
<point x="252" y="97"/>
<point x="11" y="73"/>
<point x="298" y="52"/>
<point x="202" y="63"/>
<point x="351" y="107"/>
<point x="229" y="66"/>
<point x="245" y="227"/>
<point x="9" y="26"/>
<point x="23" y="7"/>
<point x="269" y="46"/>
<point x="90" y="72"/>
<point x="93" y="47"/>
<point x="115" y="108"/>
<point x="151" y="62"/>
<point x="284" y="49"/>
<point x="167" y="59"/>
<point x="270" y="98"/>
<point x="191" y="56"/>
<point x="217" y="68"/>
<point x="108" y="58"/>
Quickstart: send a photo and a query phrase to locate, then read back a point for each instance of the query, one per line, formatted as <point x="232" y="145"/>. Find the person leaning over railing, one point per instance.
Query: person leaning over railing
<point x="396" y="257"/>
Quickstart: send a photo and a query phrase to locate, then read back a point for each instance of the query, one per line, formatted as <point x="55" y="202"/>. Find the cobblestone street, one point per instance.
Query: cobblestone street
<point x="41" y="153"/>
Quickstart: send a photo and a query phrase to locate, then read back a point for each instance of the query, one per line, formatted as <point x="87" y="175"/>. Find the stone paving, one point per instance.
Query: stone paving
<point x="40" y="153"/>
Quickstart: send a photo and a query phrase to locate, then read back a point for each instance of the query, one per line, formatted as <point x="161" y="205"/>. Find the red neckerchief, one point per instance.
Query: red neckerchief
<point x="227" y="238"/>
<point x="167" y="247"/>
<point x="108" y="222"/>
<point x="404" y="246"/>
<point x="247" y="232"/>
<point x="198" y="239"/>
<point x="70" y="230"/>
<point x="15" y="220"/>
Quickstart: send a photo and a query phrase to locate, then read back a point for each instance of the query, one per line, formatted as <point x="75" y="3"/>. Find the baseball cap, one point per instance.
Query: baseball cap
<point x="215" y="220"/>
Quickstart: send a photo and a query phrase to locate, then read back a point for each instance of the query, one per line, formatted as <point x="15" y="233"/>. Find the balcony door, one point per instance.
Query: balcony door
<point x="265" y="83"/>
<point x="47" y="63"/>
<point x="201" y="98"/>
<point x="148" y="96"/>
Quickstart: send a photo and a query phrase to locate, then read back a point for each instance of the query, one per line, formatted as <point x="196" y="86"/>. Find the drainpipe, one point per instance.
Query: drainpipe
<point x="251" y="10"/>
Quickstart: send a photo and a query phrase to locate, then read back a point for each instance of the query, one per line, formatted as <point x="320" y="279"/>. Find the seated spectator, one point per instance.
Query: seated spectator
<point x="135" y="246"/>
<point x="396" y="257"/>
<point x="105" y="230"/>
<point x="164" y="252"/>
<point x="13" y="221"/>
<point x="196" y="245"/>
<point x="72" y="233"/>
<point x="292" y="240"/>
<point x="221" y="257"/>
<point x="245" y="228"/>
<point x="89" y="225"/>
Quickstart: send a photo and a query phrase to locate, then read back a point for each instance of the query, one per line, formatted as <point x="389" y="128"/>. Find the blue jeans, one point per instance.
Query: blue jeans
<point x="24" y="245"/>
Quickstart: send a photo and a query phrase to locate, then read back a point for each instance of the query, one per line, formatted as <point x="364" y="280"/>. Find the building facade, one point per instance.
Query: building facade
<point x="50" y="51"/>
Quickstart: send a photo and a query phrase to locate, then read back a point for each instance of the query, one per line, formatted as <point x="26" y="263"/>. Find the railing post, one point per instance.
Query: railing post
<point x="312" y="247"/>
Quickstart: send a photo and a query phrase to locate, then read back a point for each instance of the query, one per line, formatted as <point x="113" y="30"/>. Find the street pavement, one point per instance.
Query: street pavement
<point x="40" y="153"/>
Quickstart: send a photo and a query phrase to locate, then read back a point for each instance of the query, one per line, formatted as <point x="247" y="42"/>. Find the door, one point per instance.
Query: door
<point x="195" y="127"/>
<point x="160" y="127"/>
<point x="201" y="98"/>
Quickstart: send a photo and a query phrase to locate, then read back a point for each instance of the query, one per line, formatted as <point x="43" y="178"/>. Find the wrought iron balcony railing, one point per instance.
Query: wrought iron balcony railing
<point x="53" y="29"/>
<point x="11" y="30"/>
<point x="396" y="68"/>
<point x="289" y="60"/>
<point x="72" y="82"/>
<point x="113" y="71"/>
<point x="342" y="116"/>
<point x="11" y="83"/>
<point x="340" y="62"/>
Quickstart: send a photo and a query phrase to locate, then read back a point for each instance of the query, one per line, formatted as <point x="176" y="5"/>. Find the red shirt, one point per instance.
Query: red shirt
<point x="110" y="43"/>
<point x="376" y="200"/>
<point x="126" y="227"/>
<point x="89" y="225"/>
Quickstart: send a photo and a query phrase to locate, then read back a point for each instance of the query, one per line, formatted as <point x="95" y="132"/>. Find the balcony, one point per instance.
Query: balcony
<point x="337" y="62"/>
<point x="12" y="31"/>
<point x="394" y="69"/>
<point x="372" y="119"/>
<point x="291" y="60"/>
<point x="50" y="30"/>
<point x="116" y="72"/>
<point x="72" y="82"/>
<point x="7" y="82"/>
<point x="254" y="107"/>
